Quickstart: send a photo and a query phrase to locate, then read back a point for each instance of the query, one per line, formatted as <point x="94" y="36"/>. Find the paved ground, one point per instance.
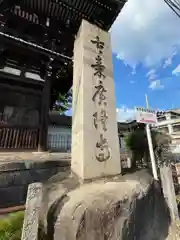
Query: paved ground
<point x="6" y="157"/>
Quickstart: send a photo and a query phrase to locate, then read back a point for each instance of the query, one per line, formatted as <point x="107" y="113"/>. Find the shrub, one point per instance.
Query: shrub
<point x="137" y="142"/>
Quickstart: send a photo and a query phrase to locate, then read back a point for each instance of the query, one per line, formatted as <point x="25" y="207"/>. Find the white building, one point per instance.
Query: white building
<point x="169" y="123"/>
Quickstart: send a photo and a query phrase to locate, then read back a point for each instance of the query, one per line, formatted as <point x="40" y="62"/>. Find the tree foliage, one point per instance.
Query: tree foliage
<point x="61" y="99"/>
<point x="63" y="102"/>
<point x="137" y="142"/>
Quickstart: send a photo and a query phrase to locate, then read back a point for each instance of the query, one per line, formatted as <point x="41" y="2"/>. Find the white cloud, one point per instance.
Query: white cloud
<point x="167" y="62"/>
<point x="151" y="75"/>
<point x="125" y="114"/>
<point x="156" y="84"/>
<point x="146" y="31"/>
<point x="133" y="71"/>
<point x="176" y="71"/>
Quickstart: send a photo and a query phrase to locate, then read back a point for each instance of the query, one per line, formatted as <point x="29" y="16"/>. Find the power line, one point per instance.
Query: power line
<point x="35" y="46"/>
<point x="174" y="5"/>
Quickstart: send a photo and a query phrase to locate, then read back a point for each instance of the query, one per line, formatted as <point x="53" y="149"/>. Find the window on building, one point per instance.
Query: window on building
<point x="176" y="128"/>
<point x="163" y="130"/>
<point x="18" y="108"/>
<point x="162" y="118"/>
<point x="174" y="116"/>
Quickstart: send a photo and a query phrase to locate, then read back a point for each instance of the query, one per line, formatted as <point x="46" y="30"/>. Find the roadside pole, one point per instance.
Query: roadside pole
<point x="150" y="145"/>
<point x="165" y="176"/>
<point x="151" y="151"/>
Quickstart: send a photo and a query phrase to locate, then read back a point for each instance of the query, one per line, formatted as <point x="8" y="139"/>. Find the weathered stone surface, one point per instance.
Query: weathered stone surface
<point x="32" y="212"/>
<point x="169" y="191"/>
<point x="25" y="157"/>
<point x="127" y="208"/>
<point x="95" y="143"/>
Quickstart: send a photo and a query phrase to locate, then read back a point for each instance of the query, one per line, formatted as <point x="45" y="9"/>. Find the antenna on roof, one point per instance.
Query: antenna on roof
<point x="147" y="103"/>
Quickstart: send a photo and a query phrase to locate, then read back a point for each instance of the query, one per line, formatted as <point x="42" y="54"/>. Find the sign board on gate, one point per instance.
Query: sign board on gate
<point x="146" y="116"/>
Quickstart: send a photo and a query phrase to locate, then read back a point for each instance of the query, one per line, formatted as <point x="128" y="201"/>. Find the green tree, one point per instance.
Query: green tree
<point x="137" y="142"/>
<point x="61" y="96"/>
<point x="63" y="102"/>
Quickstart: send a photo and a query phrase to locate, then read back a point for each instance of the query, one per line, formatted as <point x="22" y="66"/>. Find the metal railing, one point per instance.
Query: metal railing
<point x="59" y="142"/>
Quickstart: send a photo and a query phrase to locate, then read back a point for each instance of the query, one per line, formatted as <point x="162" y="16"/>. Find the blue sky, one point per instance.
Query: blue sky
<point x="161" y="85"/>
<point x="146" y="57"/>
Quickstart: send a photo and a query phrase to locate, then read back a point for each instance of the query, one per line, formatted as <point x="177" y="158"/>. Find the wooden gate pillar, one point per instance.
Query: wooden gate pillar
<point x="44" y="115"/>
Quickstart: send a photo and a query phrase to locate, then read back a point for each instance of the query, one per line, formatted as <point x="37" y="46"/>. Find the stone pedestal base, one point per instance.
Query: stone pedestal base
<point x="105" y="209"/>
<point x="93" y="212"/>
<point x="125" y="207"/>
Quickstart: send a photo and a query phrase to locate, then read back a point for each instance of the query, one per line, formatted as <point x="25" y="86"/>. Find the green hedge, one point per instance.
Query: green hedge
<point x="11" y="227"/>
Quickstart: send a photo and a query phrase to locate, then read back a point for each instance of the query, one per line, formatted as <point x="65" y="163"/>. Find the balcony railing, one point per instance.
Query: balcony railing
<point x="18" y="137"/>
<point x="166" y="122"/>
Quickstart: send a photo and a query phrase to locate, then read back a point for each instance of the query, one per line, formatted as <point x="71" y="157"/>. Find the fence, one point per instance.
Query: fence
<point x="18" y="138"/>
<point x="59" y="142"/>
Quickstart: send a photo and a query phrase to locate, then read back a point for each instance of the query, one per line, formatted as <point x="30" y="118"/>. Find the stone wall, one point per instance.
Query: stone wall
<point x="15" y="177"/>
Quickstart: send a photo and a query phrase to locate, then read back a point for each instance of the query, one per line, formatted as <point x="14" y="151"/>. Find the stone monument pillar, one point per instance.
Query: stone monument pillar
<point x="32" y="212"/>
<point x="95" y="143"/>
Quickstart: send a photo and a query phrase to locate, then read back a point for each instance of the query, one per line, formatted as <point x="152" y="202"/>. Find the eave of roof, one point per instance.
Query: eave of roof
<point x="64" y="21"/>
<point x="99" y="12"/>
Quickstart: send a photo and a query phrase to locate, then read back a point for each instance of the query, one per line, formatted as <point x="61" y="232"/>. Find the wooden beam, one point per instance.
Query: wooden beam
<point x="6" y="5"/>
<point x="44" y="116"/>
<point x="6" y="76"/>
<point x="70" y="7"/>
<point x="20" y="89"/>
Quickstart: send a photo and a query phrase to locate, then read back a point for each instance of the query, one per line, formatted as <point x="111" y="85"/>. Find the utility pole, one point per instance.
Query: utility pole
<point x="147" y="103"/>
<point x="150" y="144"/>
<point x="166" y="177"/>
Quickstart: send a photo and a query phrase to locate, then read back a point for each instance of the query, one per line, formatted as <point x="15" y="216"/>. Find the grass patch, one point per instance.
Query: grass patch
<point x="11" y="227"/>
